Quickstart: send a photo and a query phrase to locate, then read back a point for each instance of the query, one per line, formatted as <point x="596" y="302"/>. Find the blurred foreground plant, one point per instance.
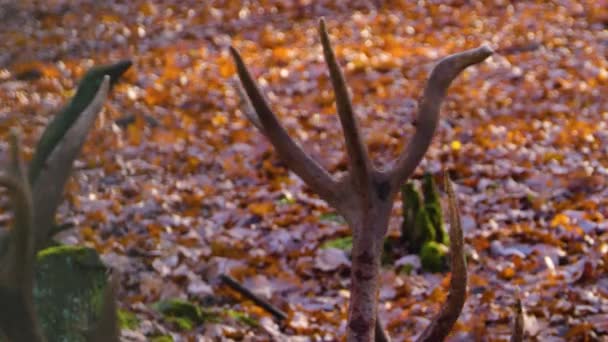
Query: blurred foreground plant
<point x="35" y="197"/>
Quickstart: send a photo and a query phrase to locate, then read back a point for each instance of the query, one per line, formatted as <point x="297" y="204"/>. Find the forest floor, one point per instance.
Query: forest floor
<point x="175" y="187"/>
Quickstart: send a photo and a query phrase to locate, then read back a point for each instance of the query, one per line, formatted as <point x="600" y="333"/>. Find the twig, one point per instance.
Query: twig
<point x="261" y="302"/>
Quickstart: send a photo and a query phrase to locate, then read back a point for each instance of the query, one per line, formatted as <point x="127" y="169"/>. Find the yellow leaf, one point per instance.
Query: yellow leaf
<point x="261" y="208"/>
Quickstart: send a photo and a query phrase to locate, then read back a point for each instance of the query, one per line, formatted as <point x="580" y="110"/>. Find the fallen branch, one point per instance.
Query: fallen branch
<point x="261" y="302"/>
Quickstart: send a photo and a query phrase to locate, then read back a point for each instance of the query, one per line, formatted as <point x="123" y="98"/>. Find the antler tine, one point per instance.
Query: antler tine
<point x="14" y="178"/>
<point x="358" y="158"/>
<point x="437" y="85"/>
<point x="442" y="324"/>
<point x="18" y="321"/>
<point x="290" y="152"/>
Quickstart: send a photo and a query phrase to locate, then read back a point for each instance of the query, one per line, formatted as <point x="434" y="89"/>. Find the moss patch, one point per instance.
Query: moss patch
<point x="68" y="292"/>
<point x="127" y="320"/>
<point x="332" y="217"/>
<point x="343" y="243"/>
<point x="183" y="314"/>
<point x="433" y="257"/>
<point x="242" y="318"/>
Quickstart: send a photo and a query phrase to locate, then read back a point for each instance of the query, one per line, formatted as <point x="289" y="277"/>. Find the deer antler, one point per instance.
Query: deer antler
<point x="364" y="196"/>
<point x="17" y="318"/>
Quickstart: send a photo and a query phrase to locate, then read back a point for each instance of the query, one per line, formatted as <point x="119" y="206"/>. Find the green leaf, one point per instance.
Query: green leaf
<point x="184" y="314"/>
<point x="127" y="320"/>
<point x="332" y="217"/>
<point x="343" y="243"/>
<point x="243" y="318"/>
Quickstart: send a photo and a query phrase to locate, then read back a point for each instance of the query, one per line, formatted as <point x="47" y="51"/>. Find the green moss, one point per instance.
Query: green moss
<point x="184" y="314"/>
<point x="243" y="318"/>
<point x="68" y="292"/>
<point x="161" y="338"/>
<point x="436" y="217"/>
<point x="181" y="323"/>
<point x="432" y="204"/>
<point x="178" y="308"/>
<point x="127" y="320"/>
<point x="406" y="269"/>
<point x="343" y="243"/>
<point x="433" y="257"/>
<point x="423" y="231"/>
<point x="332" y="217"/>
<point x="422" y="218"/>
<point x="410" y="205"/>
<point x="429" y="190"/>
<point x="57" y="250"/>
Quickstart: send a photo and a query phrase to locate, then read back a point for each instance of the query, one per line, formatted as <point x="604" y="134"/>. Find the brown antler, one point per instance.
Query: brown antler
<point x="428" y="113"/>
<point x="444" y="321"/>
<point x="18" y="320"/>
<point x="34" y="207"/>
<point x="359" y="165"/>
<point x="292" y="154"/>
<point x="364" y="197"/>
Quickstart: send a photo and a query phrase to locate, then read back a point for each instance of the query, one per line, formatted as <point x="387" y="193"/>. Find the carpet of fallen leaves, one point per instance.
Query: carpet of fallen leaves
<point x="175" y="187"/>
